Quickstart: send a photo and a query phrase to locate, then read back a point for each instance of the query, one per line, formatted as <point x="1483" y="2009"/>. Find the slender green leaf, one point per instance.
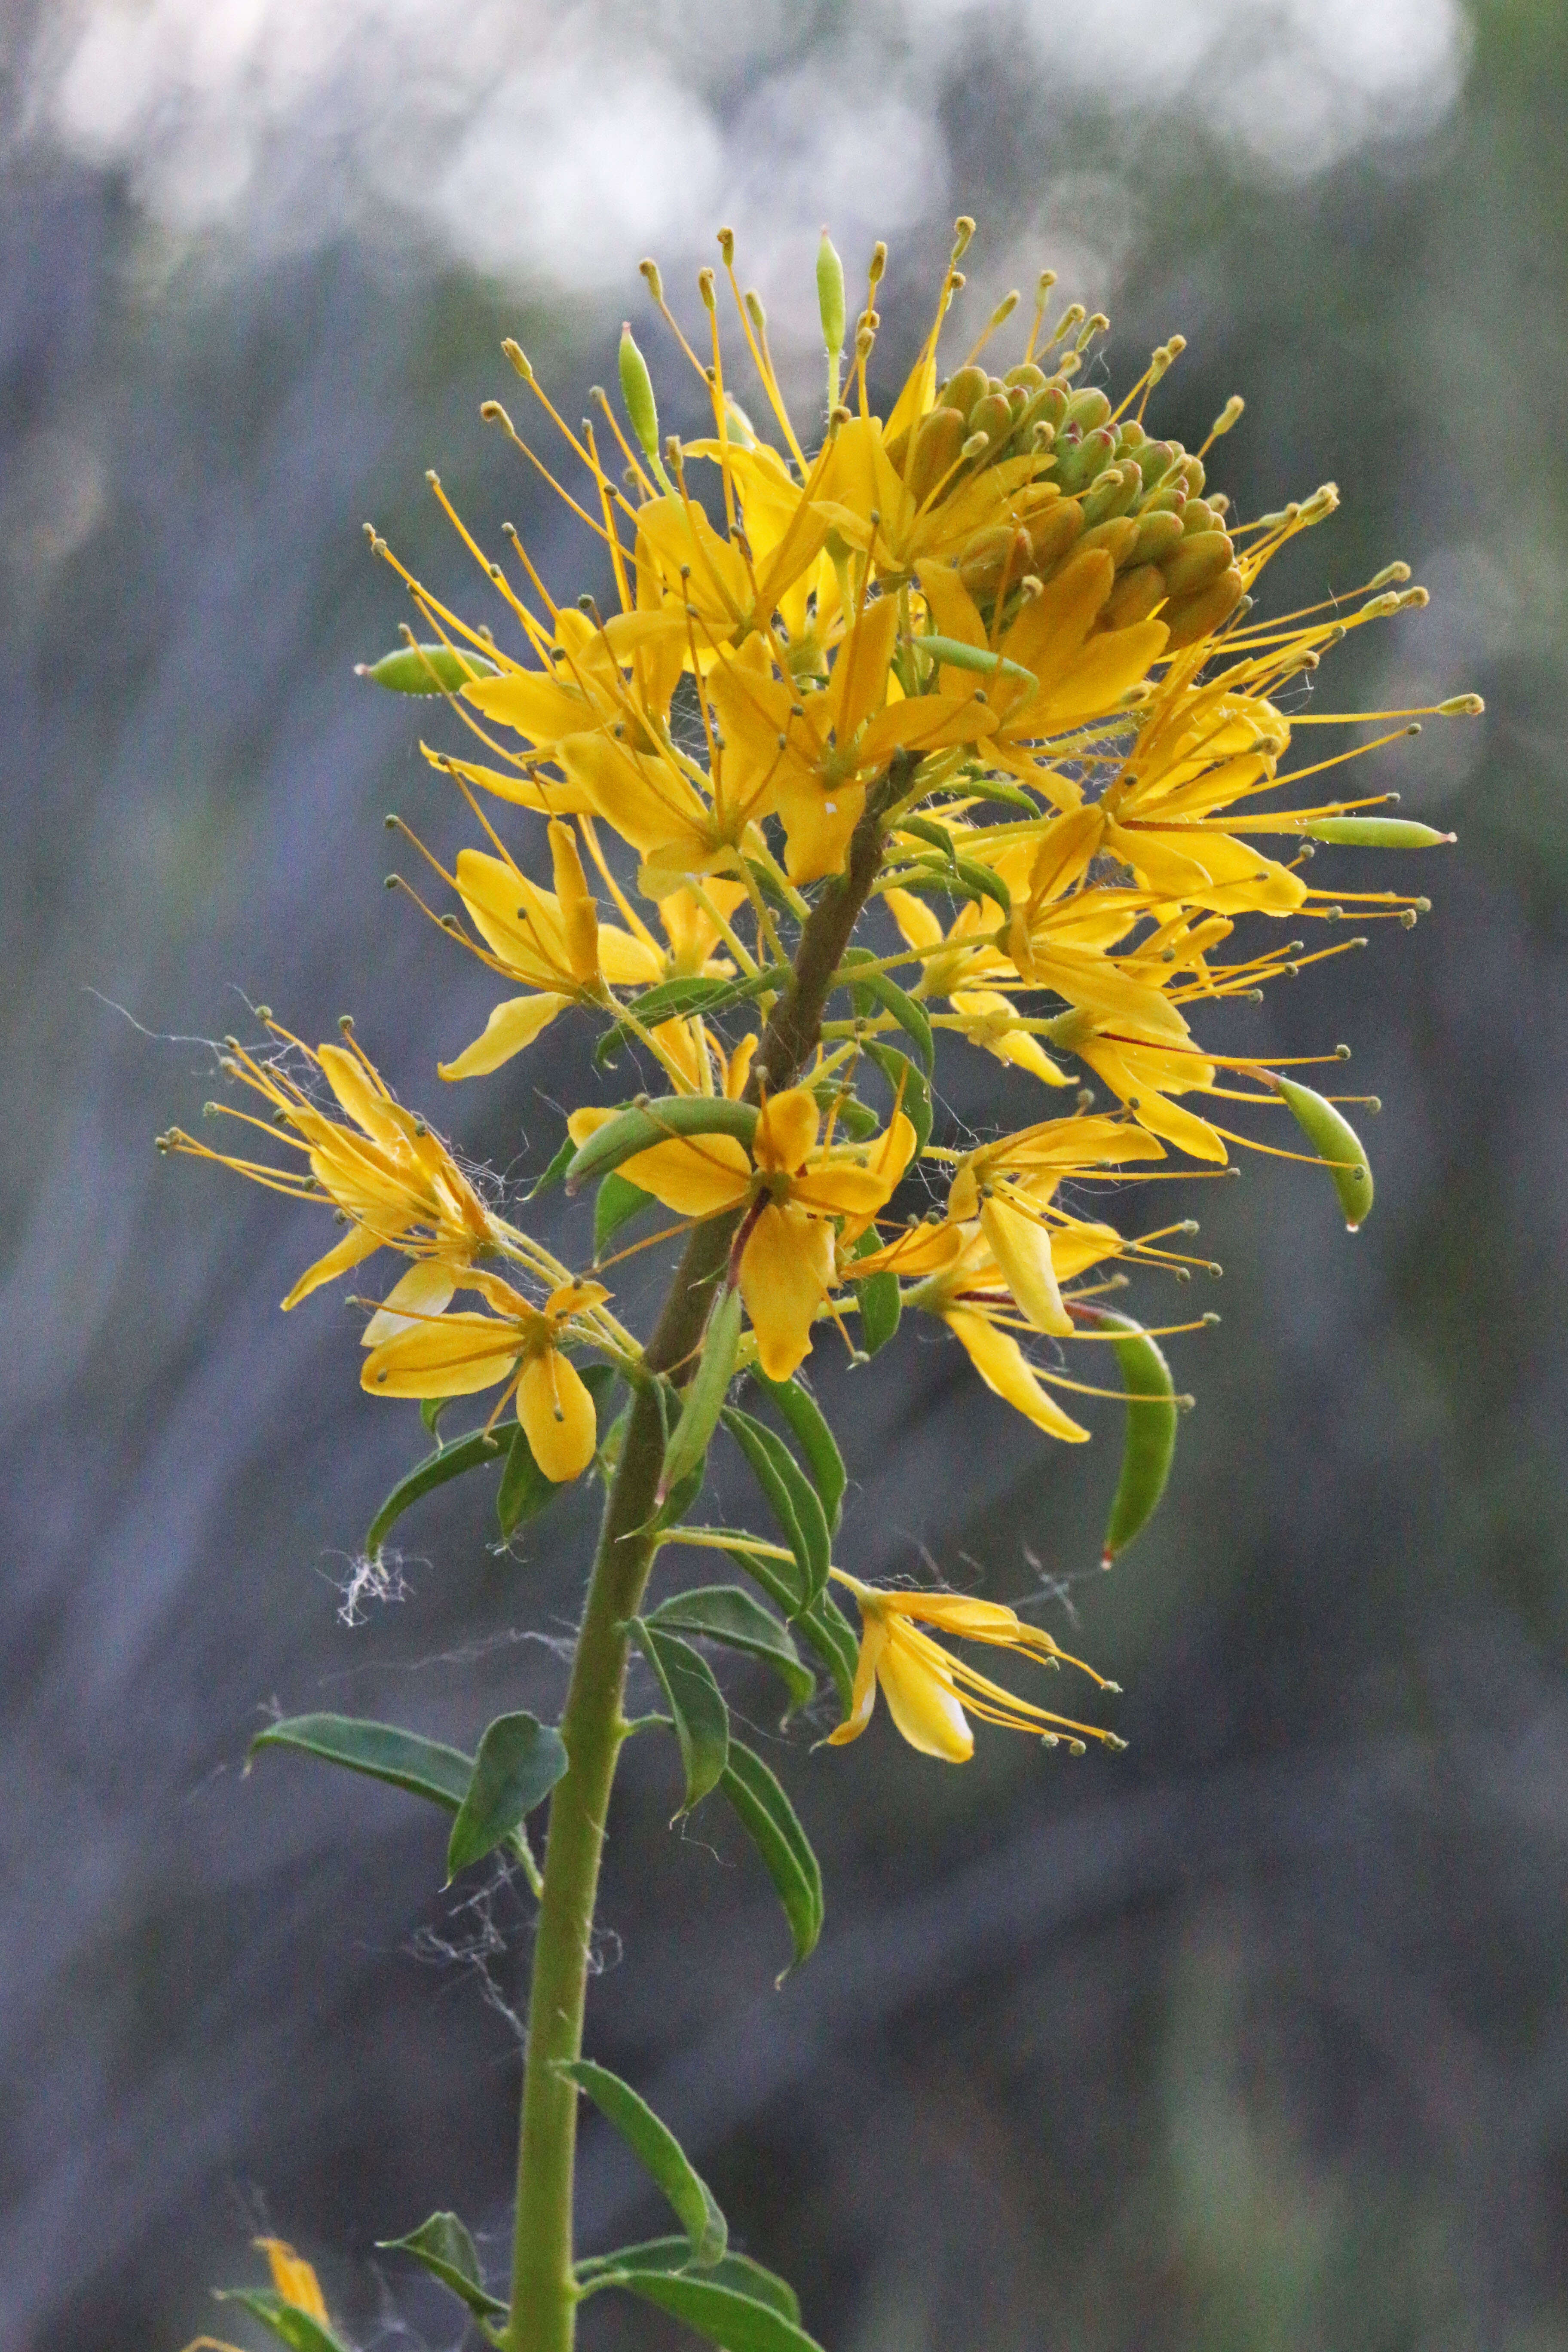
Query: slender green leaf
<point x="697" y="1704"/>
<point x="677" y="999"/>
<point x="886" y="991"/>
<point x="555" y="1173"/>
<point x="469" y="1453"/>
<point x="286" y="2320"/>
<point x="430" y="1411"/>
<point x="776" y="1832"/>
<point x="822" y="1624"/>
<point x="737" y="2322"/>
<point x="910" y="1089"/>
<point x="802" y="1517"/>
<point x="616" y="1203"/>
<point x="446" y="2251"/>
<point x="639" y="1128"/>
<point x="852" y="1117"/>
<point x="519" y="1762"/>
<point x="882" y="1304"/>
<point x="425" y="1768"/>
<point x="725" y="1613"/>
<point x="704" y="1396"/>
<point x="817" y="1441"/>
<point x="660" y="2153"/>
<point x="663" y="2255"/>
<point x="992" y="788"/>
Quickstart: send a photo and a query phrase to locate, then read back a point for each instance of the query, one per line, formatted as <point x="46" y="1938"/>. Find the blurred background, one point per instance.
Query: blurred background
<point x="1254" y="2037"/>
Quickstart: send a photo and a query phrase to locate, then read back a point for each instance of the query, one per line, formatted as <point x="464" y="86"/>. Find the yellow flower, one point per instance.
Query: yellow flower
<point x="391" y="1180"/>
<point x="293" y="2281"/>
<point x="929" y="1693"/>
<point x="520" y="1345"/>
<point x="792" y="1191"/>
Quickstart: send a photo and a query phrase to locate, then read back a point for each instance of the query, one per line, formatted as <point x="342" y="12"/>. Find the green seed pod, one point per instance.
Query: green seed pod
<point x="963" y="389"/>
<point x="1159" y="534"/>
<point x="830" y="295"/>
<point x="1052" y="533"/>
<point x="1112" y="494"/>
<point x="958" y="655"/>
<point x="1336" y="1142"/>
<point x="937" y="445"/>
<point x="1136" y="595"/>
<point x="1199" y="559"/>
<point x="426" y="670"/>
<point x="639" y="1128"/>
<point x="704" y="1398"/>
<point x="1377" y="833"/>
<point x="1118" y="538"/>
<point x="1150" y="1444"/>
<point x="1194" y="615"/>
<point x="637" y="391"/>
<point x="1088" y="408"/>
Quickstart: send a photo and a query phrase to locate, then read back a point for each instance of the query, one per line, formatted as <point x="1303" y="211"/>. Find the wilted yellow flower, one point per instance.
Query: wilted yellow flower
<point x="929" y="1693"/>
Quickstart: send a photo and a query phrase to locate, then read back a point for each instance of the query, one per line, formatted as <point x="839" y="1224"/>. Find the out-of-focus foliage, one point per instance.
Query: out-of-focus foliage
<point x="1253" y="2037"/>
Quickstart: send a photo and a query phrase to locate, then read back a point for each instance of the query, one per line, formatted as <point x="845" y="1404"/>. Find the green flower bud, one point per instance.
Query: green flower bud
<point x="830" y="295"/>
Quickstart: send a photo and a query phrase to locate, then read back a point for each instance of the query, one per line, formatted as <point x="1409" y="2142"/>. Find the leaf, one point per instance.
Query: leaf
<point x="660" y="2256"/>
<point x="296" y="2328"/>
<point x="430" y="1411"/>
<point x="817" y="1443"/>
<point x="616" y="1203"/>
<point x="727" y="1613"/>
<point x="425" y="1768"/>
<point x="823" y="1625"/>
<point x="660" y="2153"/>
<point x="448" y="1462"/>
<point x="519" y="1762"/>
<point x="774" y="1830"/>
<point x="687" y="1449"/>
<point x="446" y="2251"/>
<point x="882" y="1304"/>
<point x="886" y="993"/>
<point x="851" y="1118"/>
<point x="737" y="2322"/>
<point x="697" y="1704"/>
<point x="911" y="1091"/>
<point x="679" y="999"/>
<point x="555" y="1173"/>
<point x="794" y="1500"/>
<point x="639" y="1128"/>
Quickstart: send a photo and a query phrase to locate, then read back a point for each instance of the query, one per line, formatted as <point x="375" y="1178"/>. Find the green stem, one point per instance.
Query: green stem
<point x="543" y="2293"/>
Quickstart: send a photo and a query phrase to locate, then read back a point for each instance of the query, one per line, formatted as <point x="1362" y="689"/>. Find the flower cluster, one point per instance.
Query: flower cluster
<point x="981" y="681"/>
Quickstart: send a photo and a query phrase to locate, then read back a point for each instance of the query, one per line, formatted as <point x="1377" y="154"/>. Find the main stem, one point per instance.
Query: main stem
<point x="543" y="2294"/>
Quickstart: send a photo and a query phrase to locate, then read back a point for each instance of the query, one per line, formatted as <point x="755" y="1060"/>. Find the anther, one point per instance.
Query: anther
<point x="346" y="1023"/>
<point x="727" y="247"/>
<point x="1341" y="1053"/>
<point x="1212" y="1315"/>
<point x="391" y="820"/>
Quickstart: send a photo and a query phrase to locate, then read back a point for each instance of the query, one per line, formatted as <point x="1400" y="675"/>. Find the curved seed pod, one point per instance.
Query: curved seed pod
<point x="1200" y="558"/>
<point x="1150" y="1445"/>
<point x="1192" y="615"/>
<point x="426" y="670"/>
<point x="937" y="445"/>
<point x="1337" y="1144"/>
<point x="639" y="1128"/>
<point x="705" y="1394"/>
<point x="1376" y="833"/>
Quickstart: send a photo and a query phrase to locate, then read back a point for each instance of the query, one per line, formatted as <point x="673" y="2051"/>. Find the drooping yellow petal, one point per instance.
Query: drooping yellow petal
<point x="579" y="913"/>
<point x="423" y="1291"/>
<point x="786" y="1268"/>
<point x="294" y="2279"/>
<point x="920" y="1697"/>
<point x="514" y="1025"/>
<point x="786" y="1129"/>
<point x="556" y="1410"/>
<point x="356" y="1245"/>
<point x="1005" y="1370"/>
<point x="365" y="1102"/>
<point x="696" y="1175"/>
<point x="457" y="1356"/>
<point x="863" y="1696"/>
<point x="1022" y="1249"/>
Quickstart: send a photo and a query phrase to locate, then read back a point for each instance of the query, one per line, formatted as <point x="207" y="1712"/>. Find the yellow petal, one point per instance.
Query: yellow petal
<point x="355" y="1246"/>
<point x="556" y="1410"/>
<point x="581" y="1124"/>
<point x="863" y="1696"/>
<point x="696" y="1175"/>
<point x="786" y="1270"/>
<point x="579" y="913"/>
<point x="915" y="920"/>
<point x="424" y="1290"/>
<point x="457" y="1356"/>
<point x="294" y="2279"/>
<point x="1022" y="1249"/>
<point x="1002" y="1365"/>
<point x="920" y="1700"/>
<point x="365" y="1102"/>
<point x="512" y="1025"/>
<point x="786" y="1129"/>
